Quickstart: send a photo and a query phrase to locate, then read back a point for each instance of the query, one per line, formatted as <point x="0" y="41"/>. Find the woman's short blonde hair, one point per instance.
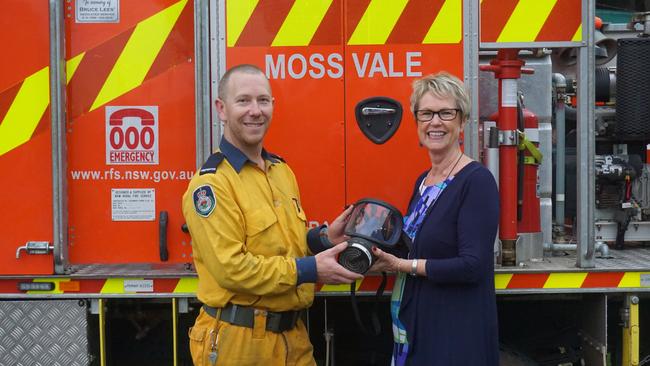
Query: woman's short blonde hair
<point x="442" y="85"/>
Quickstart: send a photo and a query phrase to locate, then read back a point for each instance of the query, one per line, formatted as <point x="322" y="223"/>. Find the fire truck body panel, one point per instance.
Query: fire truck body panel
<point x="26" y="140"/>
<point x="92" y="218"/>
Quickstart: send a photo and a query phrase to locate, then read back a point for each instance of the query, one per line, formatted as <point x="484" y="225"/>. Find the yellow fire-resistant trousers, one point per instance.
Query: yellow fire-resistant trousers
<point x="215" y="342"/>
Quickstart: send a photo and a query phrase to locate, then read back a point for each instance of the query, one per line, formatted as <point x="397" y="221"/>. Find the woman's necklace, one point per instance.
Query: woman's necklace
<point x="451" y="170"/>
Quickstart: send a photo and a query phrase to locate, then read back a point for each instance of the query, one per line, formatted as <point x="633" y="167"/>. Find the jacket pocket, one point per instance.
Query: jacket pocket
<point x="299" y="211"/>
<point x="199" y="346"/>
<point x="259" y="220"/>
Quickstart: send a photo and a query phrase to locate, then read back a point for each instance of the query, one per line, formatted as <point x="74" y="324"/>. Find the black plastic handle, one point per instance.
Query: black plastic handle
<point x="163" y="220"/>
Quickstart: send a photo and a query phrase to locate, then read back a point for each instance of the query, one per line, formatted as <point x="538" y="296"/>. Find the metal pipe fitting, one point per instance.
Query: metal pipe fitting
<point x="600" y="247"/>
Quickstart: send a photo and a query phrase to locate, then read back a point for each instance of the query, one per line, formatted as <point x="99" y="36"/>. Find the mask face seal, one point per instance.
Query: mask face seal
<point x="372" y="222"/>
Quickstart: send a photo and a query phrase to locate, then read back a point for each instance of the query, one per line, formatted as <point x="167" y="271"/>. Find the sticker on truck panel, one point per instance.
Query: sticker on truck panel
<point x="204" y="201"/>
<point x="132" y="135"/>
<point x="97" y="11"/>
<point x="133" y="204"/>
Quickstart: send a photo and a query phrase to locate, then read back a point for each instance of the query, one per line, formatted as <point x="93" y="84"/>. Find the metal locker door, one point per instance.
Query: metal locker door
<point x="388" y="45"/>
<point x="299" y="46"/>
<point x="131" y="132"/>
<point x="25" y="138"/>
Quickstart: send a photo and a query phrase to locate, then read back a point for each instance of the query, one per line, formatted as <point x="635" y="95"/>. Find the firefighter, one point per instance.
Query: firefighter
<point x="250" y="242"/>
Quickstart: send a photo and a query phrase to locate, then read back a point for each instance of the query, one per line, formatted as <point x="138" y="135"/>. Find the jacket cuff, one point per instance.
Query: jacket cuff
<point x="317" y="239"/>
<point x="306" y="268"/>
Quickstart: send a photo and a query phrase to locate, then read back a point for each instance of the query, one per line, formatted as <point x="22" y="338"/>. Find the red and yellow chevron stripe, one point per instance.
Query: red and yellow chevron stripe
<point x="274" y="23"/>
<point x="531" y="281"/>
<point x="110" y="286"/>
<point x="577" y="280"/>
<point x="187" y="286"/>
<point x="100" y="74"/>
<point x="531" y="21"/>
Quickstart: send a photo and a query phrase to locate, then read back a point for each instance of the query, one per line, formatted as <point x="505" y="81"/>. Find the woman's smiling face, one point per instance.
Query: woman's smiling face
<point x="436" y="135"/>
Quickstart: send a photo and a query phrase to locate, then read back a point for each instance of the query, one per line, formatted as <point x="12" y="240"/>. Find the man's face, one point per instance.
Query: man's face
<point x="246" y="110"/>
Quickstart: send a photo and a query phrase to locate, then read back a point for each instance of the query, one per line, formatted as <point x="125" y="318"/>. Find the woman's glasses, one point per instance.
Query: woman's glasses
<point x="426" y="115"/>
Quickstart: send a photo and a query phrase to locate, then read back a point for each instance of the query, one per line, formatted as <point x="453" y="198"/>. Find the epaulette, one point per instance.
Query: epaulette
<point x="210" y="165"/>
<point x="278" y="157"/>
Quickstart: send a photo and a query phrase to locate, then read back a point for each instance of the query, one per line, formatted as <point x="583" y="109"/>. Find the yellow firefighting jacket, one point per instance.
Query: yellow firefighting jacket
<point x="248" y="228"/>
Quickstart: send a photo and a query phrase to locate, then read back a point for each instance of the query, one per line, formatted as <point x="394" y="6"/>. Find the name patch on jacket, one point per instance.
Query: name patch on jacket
<point x="204" y="201"/>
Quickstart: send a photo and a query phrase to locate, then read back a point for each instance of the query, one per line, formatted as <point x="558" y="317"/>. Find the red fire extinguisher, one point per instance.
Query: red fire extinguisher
<point x="528" y="221"/>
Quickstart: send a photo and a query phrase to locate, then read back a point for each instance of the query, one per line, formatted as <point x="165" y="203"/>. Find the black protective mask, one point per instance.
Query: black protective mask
<point x="372" y="222"/>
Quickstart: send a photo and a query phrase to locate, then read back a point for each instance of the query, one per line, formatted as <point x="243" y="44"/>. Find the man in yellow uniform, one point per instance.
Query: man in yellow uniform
<point x="250" y="242"/>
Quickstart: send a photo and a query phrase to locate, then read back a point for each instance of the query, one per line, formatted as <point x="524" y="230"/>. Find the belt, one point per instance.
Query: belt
<point x="244" y="316"/>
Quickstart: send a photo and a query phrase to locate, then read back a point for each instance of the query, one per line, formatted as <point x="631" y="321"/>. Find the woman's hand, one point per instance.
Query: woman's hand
<point x="336" y="230"/>
<point x="385" y="262"/>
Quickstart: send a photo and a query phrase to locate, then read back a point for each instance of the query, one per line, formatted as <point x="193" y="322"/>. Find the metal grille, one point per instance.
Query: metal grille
<point x="45" y="333"/>
<point x="633" y="88"/>
<point x="609" y="195"/>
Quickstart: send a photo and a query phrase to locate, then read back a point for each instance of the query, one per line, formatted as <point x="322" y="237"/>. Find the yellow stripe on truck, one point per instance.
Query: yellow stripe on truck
<point x="565" y="280"/>
<point x="448" y="27"/>
<point x="526" y="21"/>
<point x="26" y="111"/>
<point x="577" y="37"/>
<point x="28" y="107"/>
<point x="238" y="12"/>
<point x="72" y="64"/>
<point x="632" y="279"/>
<point x="501" y="280"/>
<point x="341" y="287"/>
<point x="113" y="286"/>
<point x="187" y="285"/>
<point x="301" y="23"/>
<point x="377" y="22"/>
<point x="138" y="55"/>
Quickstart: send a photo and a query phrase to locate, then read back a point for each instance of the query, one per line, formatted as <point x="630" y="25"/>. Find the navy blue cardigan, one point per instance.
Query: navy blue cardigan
<point x="450" y="315"/>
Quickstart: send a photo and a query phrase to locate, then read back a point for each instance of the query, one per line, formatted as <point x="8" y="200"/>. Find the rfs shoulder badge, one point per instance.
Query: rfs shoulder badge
<point x="204" y="201"/>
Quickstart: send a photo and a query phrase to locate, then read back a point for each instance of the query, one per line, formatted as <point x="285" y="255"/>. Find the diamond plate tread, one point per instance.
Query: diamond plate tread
<point x="133" y="270"/>
<point x="632" y="259"/>
<point x="626" y="260"/>
<point x="49" y="332"/>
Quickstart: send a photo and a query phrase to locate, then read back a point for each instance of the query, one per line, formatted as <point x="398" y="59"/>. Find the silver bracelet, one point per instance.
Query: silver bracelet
<point x="414" y="268"/>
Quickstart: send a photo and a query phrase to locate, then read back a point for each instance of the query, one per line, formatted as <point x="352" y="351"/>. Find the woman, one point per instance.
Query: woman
<point x="448" y="305"/>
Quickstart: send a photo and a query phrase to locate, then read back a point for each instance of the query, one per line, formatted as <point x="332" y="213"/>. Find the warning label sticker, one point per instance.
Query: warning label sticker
<point x="132" y="135"/>
<point x="138" y="285"/>
<point x="509" y="93"/>
<point x="133" y="204"/>
<point x="645" y="280"/>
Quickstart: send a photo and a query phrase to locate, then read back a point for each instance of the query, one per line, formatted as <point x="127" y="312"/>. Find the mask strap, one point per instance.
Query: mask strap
<point x="374" y="317"/>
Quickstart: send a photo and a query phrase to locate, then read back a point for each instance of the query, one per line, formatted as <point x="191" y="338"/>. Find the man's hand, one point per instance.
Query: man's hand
<point x="330" y="272"/>
<point x="336" y="230"/>
<point x="385" y="262"/>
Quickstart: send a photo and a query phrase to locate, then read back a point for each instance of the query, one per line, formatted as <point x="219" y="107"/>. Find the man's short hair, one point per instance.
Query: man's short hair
<point x="442" y="85"/>
<point x="243" y="68"/>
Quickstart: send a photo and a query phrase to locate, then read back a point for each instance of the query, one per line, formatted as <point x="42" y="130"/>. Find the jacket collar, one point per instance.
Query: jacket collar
<point x="238" y="159"/>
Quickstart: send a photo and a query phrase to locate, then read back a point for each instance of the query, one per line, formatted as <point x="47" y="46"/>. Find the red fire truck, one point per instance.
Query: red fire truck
<point x="106" y="111"/>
